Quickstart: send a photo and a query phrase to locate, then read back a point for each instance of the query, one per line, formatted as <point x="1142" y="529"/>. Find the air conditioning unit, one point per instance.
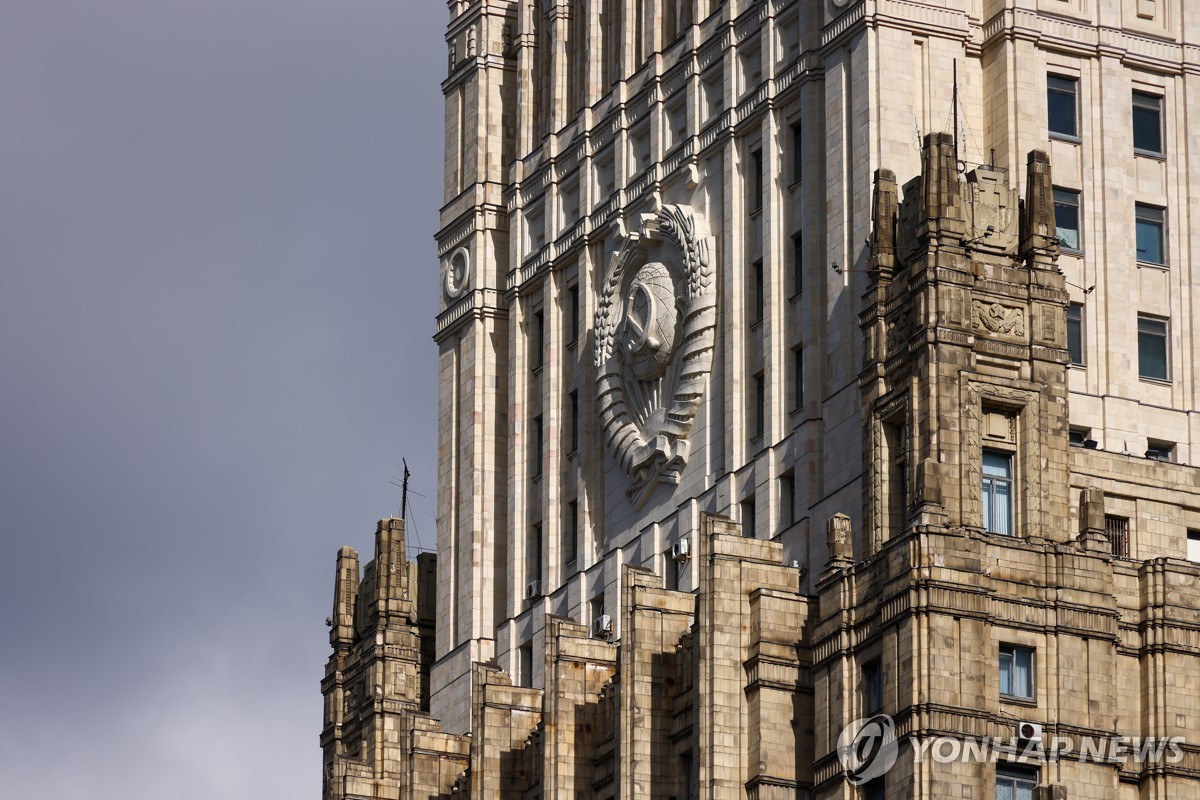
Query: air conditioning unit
<point x="681" y="550"/>
<point x="533" y="589"/>
<point x="602" y="626"/>
<point x="1029" y="731"/>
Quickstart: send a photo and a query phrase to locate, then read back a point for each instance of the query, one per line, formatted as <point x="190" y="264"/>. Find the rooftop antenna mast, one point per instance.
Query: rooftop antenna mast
<point x="404" y="492"/>
<point x="954" y="101"/>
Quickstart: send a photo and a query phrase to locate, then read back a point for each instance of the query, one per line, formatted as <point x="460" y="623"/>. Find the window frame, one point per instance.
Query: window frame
<point x="1150" y="215"/>
<point x="1028" y="778"/>
<point x="990" y="483"/>
<point x="1013" y="651"/>
<point x="1144" y="321"/>
<point x="1075" y="319"/>
<point x="1067" y="195"/>
<point x="1149" y="102"/>
<point x="872" y="681"/>
<point x="1061" y="89"/>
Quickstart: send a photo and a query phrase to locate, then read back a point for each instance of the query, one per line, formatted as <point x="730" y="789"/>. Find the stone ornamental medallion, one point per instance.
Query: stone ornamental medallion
<point x="655" y="328"/>
<point x="458" y="274"/>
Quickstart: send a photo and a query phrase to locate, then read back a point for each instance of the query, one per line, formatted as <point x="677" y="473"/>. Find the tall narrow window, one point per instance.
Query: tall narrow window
<point x="1066" y="218"/>
<point x="797" y="263"/>
<point x="997" y="492"/>
<point x="787" y="499"/>
<point x="533" y="556"/>
<point x="1016" y="672"/>
<point x="535" y="455"/>
<point x="749" y="522"/>
<point x="686" y="770"/>
<point x="537" y="341"/>
<point x="757" y="292"/>
<point x="760" y="404"/>
<point x="875" y="790"/>
<point x="1075" y="337"/>
<point x="573" y="313"/>
<point x="896" y="475"/>
<point x="872" y="683"/>
<point x="1147" y="124"/>
<point x="1152" y="348"/>
<point x="571" y="534"/>
<point x="525" y="665"/>
<point x="797" y="378"/>
<point x="1150" y="222"/>
<point x="573" y="410"/>
<point x="1117" y="530"/>
<point x="756" y="181"/>
<point x="1062" y="106"/>
<point x="1193" y="545"/>
<point x="797" y="153"/>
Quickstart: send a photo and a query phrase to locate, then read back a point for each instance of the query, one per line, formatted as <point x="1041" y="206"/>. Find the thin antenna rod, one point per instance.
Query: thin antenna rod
<point x="404" y="492"/>
<point x="955" y="103"/>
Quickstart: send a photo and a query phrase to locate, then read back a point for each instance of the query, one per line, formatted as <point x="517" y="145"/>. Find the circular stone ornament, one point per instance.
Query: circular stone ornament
<point x="458" y="273"/>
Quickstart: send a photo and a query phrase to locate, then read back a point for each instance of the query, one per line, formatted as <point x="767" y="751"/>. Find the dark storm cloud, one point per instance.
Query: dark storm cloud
<point x="215" y="295"/>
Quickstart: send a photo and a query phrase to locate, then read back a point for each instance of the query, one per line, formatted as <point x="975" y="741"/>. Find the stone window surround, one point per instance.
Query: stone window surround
<point x="1022" y="406"/>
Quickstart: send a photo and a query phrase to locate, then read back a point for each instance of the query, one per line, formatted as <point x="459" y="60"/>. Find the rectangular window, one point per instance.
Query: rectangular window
<point x="787" y="499"/>
<point x="1062" y="106"/>
<point x="535" y="454"/>
<point x="797" y="153"/>
<point x="1152" y="348"/>
<point x="875" y="790"/>
<point x="1160" y="451"/>
<point x="997" y="492"/>
<point x="797" y="264"/>
<point x="757" y="292"/>
<point x="537" y="342"/>
<point x="1078" y="437"/>
<point x="1075" y="333"/>
<point x="573" y="313"/>
<point x="1193" y="545"/>
<point x="525" y="665"/>
<point x="1016" y="672"/>
<point x="756" y="177"/>
<point x="685" y="769"/>
<point x="573" y="406"/>
<point x="872" y="683"/>
<point x="1147" y="124"/>
<point x="1066" y="218"/>
<point x="533" y="556"/>
<point x="1117" y="530"/>
<point x="760" y="404"/>
<point x="1014" y="784"/>
<point x="797" y="378"/>
<point x="571" y="534"/>
<point x="749" y="526"/>
<point x="1150" y="222"/>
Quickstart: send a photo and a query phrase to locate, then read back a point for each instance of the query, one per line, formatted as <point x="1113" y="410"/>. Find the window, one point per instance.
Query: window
<point x="685" y="769"/>
<point x="787" y="499"/>
<point x="1117" y="530"/>
<point x="997" y="492"/>
<point x="875" y="790"/>
<point x="1015" y="784"/>
<point x="797" y="378"/>
<point x="760" y="404"/>
<point x="756" y="181"/>
<point x="535" y="455"/>
<point x="714" y="93"/>
<point x="573" y="313"/>
<point x="797" y="151"/>
<point x="1075" y="333"/>
<point x="872" y="684"/>
<point x="1066" y="218"/>
<point x="1152" y="348"/>
<point x="1147" y="123"/>
<point x="1062" y="106"/>
<point x="1079" y="437"/>
<point x="1160" y="451"/>
<point x="1016" y="671"/>
<point x="757" y="292"/>
<point x="573" y="405"/>
<point x="571" y="533"/>
<point x="1150" y="222"/>
<point x="748" y="520"/>
<point x="533" y="555"/>
<point x="537" y="342"/>
<point x="797" y="264"/>
<point x="525" y="665"/>
<point x="1193" y="544"/>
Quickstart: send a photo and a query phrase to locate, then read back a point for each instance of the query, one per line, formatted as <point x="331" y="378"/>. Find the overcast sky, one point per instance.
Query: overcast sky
<point x="217" y="287"/>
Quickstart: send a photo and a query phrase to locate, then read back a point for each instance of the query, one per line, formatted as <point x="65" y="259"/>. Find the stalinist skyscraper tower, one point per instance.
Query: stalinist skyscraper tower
<point x="801" y="362"/>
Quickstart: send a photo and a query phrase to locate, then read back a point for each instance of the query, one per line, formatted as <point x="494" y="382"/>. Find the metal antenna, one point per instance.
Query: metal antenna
<point x="404" y="492"/>
<point x="954" y="101"/>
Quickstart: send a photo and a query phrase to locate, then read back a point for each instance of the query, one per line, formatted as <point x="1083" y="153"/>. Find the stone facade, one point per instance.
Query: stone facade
<point x="766" y="408"/>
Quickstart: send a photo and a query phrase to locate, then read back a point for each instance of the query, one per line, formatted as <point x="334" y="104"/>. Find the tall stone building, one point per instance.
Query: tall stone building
<point x="800" y="363"/>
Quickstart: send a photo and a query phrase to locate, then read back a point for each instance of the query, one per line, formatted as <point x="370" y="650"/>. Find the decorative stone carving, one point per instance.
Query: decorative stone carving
<point x="996" y="318"/>
<point x="655" y="329"/>
<point x="991" y="210"/>
<point x="839" y="538"/>
<point x="458" y="274"/>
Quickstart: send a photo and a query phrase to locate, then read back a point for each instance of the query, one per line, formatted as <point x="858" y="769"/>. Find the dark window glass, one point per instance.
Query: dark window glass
<point x="1016" y="671"/>
<point x="872" y="677"/>
<point x="797" y="263"/>
<point x="1062" y="106"/>
<point x="535" y="457"/>
<point x="758" y="292"/>
<point x="538" y="340"/>
<point x="760" y="404"/>
<point x="1066" y="218"/>
<point x="1075" y="332"/>
<point x="1152" y="348"/>
<point x="798" y="377"/>
<point x="573" y="315"/>
<point x="1147" y="123"/>
<point x="749" y="524"/>
<point x="797" y="161"/>
<point x="1150" y="221"/>
<point x="756" y="197"/>
<point x="571" y="533"/>
<point x="574" y="406"/>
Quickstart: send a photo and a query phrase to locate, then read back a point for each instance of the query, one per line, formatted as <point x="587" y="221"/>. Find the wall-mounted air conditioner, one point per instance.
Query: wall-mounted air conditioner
<point x="1029" y="731"/>
<point x="602" y="626"/>
<point x="533" y="589"/>
<point x="681" y="550"/>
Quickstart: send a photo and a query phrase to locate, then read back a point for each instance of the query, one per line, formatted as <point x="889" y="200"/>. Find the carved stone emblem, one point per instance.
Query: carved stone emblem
<point x="997" y="318"/>
<point x="655" y="328"/>
<point x="458" y="274"/>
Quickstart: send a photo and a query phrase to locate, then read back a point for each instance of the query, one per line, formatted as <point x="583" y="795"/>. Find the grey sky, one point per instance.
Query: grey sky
<point x="217" y="283"/>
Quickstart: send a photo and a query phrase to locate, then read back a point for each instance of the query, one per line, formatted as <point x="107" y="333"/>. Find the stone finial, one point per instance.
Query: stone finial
<point x="1039" y="242"/>
<point x="1091" y="520"/>
<point x="883" y="233"/>
<point x="929" y="482"/>
<point x="939" y="170"/>
<point x="839" y="538"/>
<point x="345" y="598"/>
